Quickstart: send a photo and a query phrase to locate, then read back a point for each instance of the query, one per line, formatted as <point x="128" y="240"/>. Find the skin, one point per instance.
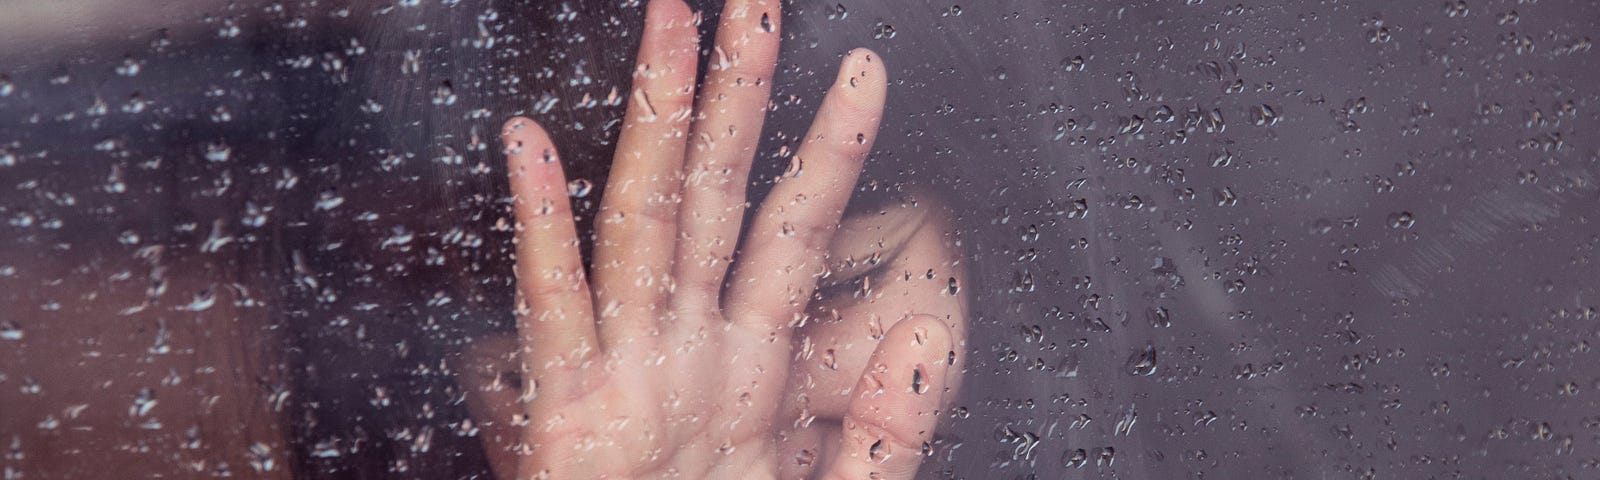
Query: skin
<point x="819" y="346"/>
<point x="707" y="348"/>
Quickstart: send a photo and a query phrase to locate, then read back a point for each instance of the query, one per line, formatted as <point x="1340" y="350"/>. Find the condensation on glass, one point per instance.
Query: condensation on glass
<point x="1208" y="239"/>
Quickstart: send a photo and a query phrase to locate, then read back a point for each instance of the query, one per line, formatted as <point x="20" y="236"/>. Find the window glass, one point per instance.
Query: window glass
<point x="1165" y="239"/>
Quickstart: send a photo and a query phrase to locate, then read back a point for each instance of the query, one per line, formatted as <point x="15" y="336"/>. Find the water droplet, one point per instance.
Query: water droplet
<point x="1108" y="456"/>
<point x="229" y="28"/>
<point x="1079" y="208"/>
<point x="1225" y="197"/>
<point x="1125" y="424"/>
<point x="805" y="458"/>
<point x="797" y="166"/>
<point x="878" y="452"/>
<point x="218" y="152"/>
<point x="1072" y="64"/>
<point x="1264" y="115"/>
<point x="1074" y="458"/>
<point x="1131" y="125"/>
<point x="1143" y="363"/>
<point x="838" y="12"/>
<point x="10" y="330"/>
<point x="1222" y="158"/>
<point x="1402" y="220"/>
<point x="579" y="188"/>
<point x="883" y="31"/>
<point x="411" y="63"/>
<point x="261" y="457"/>
<point x="1159" y="317"/>
<point x="98" y="108"/>
<point x="135" y="104"/>
<point x="444" y="95"/>
<point x="142" y="403"/>
<point x="130" y="66"/>
<point x="329" y="200"/>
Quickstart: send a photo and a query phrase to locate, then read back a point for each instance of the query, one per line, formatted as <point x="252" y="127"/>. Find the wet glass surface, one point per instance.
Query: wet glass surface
<point x="1201" y="239"/>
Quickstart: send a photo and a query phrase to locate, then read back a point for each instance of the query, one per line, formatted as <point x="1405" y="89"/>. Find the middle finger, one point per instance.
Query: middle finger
<point x="730" y="113"/>
<point x="638" y="214"/>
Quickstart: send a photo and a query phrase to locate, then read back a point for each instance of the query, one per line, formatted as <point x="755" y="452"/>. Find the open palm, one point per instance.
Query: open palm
<point x="818" y="345"/>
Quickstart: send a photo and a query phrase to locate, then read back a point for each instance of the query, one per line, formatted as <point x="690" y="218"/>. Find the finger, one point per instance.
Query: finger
<point x="875" y="237"/>
<point x="731" y="109"/>
<point x="638" y="214"/>
<point x="555" y="318"/>
<point x="844" y="322"/>
<point x="895" y="406"/>
<point x="805" y="449"/>
<point x="487" y="373"/>
<point x="783" y="257"/>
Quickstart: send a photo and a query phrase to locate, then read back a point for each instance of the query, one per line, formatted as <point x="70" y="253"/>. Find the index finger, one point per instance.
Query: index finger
<point x="555" y="313"/>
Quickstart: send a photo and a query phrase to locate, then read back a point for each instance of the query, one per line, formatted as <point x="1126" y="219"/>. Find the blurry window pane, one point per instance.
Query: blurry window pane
<point x="1200" y="239"/>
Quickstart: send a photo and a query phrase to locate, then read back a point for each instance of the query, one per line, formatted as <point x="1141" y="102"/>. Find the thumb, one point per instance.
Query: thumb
<point x="895" y="406"/>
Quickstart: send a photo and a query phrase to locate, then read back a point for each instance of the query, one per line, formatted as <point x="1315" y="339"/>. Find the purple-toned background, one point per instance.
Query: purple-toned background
<point x="1291" y="239"/>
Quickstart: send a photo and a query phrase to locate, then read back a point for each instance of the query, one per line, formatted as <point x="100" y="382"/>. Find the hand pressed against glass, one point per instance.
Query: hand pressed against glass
<point x="678" y="356"/>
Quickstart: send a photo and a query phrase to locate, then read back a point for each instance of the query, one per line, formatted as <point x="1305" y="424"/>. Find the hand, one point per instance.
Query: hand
<point x="667" y="364"/>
